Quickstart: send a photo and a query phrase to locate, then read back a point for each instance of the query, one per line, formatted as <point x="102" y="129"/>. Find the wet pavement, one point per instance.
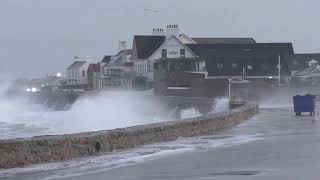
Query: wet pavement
<point x="275" y="144"/>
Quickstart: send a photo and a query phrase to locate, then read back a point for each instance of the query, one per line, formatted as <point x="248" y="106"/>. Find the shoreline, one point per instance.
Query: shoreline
<point x="42" y="149"/>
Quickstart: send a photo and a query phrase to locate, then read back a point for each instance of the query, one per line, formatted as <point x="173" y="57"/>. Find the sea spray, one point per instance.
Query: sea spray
<point x="221" y="104"/>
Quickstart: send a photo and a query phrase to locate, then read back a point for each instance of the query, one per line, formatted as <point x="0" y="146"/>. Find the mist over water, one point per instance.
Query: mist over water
<point x="21" y="118"/>
<point x="103" y="111"/>
<point x="108" y="110"/>
<point x="283" y="97"/>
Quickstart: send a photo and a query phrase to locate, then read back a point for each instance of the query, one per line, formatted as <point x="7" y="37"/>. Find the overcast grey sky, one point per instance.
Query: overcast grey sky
<point x="42" y="36"/>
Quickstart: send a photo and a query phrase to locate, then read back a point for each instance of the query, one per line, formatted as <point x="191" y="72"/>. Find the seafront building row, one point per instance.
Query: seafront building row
<point x="174" y="64"/>
<point x="134" y="68"/>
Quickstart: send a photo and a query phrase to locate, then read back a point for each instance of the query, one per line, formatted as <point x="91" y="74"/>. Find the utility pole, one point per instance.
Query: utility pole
<point x="243" y="73"/>
<point x="229" y="88"/>
<point x="279" y="69"/>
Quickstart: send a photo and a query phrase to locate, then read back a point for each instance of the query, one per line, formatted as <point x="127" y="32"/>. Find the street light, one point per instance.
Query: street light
<point x="59" y="74"/>
<point x="33" y="89"/>
<point x="229" y="87"/>
<point x="28" y="90"/>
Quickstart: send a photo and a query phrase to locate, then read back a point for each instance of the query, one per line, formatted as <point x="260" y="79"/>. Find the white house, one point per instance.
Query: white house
<point x="140" y="67"/>
<point x="76" y="73"/>
<point x="312" y="62"/>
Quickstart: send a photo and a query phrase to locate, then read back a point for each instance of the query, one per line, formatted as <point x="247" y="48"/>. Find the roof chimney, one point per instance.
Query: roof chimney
<point x="157" y="32"/>
<point x="172" y="30"/>
<point x="122" y="45"/>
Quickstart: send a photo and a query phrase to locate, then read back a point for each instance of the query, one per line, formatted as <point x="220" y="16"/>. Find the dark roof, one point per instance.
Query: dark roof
<point x="224" y="40"/>
<point x="145" y="46"/>
<point x="76" y="64"/>
<point x="179" y="59"/>
<point x="231" y="49"/>
<point x="314" y="69"/>
<point x="106" y="59"/>
<point x="124" y="52"/>
<point x="128" y="64"/>
<point x="299" y="62"/>
<point x="259" y="59"/>
<point x="94" y="67"/>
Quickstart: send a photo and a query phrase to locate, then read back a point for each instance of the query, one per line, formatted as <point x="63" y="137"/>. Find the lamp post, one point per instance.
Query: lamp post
<point x="279" y="70"/>
<point x="229" y="88"/>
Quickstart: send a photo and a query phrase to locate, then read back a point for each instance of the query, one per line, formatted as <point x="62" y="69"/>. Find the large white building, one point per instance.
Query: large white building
<point x="169" y="44"/>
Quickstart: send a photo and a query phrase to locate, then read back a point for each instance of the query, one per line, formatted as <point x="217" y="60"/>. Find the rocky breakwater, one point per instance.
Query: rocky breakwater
<point x="20" y="152"/>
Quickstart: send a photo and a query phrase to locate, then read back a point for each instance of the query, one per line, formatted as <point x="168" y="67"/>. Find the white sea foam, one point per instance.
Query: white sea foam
<point x="107" y="110"/>
<point x="221" y="104"/>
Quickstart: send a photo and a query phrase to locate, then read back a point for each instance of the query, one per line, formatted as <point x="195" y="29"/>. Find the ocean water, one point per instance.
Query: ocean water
<point x="109" y="110"/>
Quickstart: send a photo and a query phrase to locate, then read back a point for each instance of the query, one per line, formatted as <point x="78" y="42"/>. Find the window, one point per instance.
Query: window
<point x="145" y="69"/>
<point x="249" y="67"/>
<point x="83" y="73"/>
<point x="164" y="53"/>
<point x="156" y="66"/>
<point x="182" y="53"/>
<point x="234" y="65"/>
<point x="264" y="67"/>
<point x="219" y="65"/>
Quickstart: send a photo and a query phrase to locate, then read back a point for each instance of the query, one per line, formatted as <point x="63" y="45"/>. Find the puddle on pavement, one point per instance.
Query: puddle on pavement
<point x="236" y="173"/>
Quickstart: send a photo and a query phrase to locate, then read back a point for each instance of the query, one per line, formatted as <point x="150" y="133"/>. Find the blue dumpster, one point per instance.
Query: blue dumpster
<point x="305" y="103"/>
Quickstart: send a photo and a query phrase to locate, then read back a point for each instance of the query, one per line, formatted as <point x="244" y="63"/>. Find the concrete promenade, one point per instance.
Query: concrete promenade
<point x="289" y="149"/>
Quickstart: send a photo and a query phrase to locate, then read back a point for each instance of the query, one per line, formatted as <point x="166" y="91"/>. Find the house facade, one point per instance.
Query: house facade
<point x="299" y="62"/>
<point x="117" y="71"/>
<point x="169" y="44"/>
<point x="93" y="75"/>
<point x="77" y="76"/>
<point x="76" y="73"/>
<point x="257" y="60"/>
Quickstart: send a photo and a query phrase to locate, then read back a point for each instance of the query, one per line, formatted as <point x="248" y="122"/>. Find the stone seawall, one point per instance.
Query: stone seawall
<point x="43" y="149"/>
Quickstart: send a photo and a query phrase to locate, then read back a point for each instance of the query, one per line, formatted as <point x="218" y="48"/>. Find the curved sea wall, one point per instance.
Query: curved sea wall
<point x="43" y="149"/>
